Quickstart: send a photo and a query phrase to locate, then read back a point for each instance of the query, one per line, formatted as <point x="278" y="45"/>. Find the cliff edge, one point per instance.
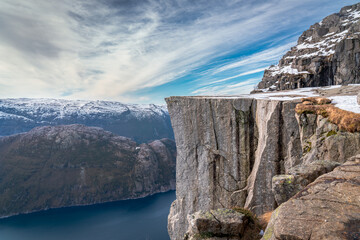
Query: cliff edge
<point x="230" y="148"/>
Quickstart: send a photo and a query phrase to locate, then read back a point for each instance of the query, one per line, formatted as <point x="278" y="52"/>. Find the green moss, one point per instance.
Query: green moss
<point x="269" y="232"/>
<point x="249" y="214"/>
<point x="203" y="235"/>
<point x="308" y="147"/>
<point x="270" y="229"/>
<point x="331" y="133"/>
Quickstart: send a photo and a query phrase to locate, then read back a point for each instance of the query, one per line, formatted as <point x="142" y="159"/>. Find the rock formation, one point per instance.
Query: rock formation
<point x="297" y="178"/>
<point x="222" y="224"/>
<point x="328" y="208"/>
<point x="326" y="54"/>
<point x="256" y="152"/>
<point x="141" y="123"/>
<point x="230" y="148"/>
<point x="69" y="165"/>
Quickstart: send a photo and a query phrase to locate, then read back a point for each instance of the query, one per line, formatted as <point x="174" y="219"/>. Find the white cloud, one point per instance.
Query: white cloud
<point x="239" y="75"/>
<point x="93" y="50"/>
<point x="244" y="87"/>
<point x="268" y="55"/>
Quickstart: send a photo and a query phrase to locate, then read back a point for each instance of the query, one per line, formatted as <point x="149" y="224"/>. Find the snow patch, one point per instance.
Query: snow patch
<point x="348" y="103"/>
<point x="52" y="109"/>
<point x="276" y="70"/>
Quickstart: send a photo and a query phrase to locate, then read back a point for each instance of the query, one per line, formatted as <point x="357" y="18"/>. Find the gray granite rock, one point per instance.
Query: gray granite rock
<point x="329" y="208"/>
<point x="297" y="178"/>
<point x="219" y="223"/>
<point x="228" y="151"/>
<point x="322" y="140"/>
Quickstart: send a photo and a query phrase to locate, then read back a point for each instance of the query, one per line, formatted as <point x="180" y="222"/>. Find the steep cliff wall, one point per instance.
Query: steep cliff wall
<point x="230" y="148"/>
<point x="228" y="151"/>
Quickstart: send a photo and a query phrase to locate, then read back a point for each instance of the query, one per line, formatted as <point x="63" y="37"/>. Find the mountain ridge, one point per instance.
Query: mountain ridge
<point x="328" y="53"/>
<point x="141" y="123"/>
<point x="71" y="165"/>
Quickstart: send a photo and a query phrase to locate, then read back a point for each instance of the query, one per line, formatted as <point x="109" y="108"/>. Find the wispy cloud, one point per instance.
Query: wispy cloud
<point x="239" y="75"/>
<point x="268" y="55"/>
<point x="232" y="89"/>
<point x="96" y="49"/>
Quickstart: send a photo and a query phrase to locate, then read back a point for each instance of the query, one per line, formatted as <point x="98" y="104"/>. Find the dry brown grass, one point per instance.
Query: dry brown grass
<point x="345" y="120"/>
<point x="265" y="219"/>
<point x="316" y="100"/>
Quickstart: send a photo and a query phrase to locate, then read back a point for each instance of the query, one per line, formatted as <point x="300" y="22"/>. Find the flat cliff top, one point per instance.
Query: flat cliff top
<point x="343" y="97"/>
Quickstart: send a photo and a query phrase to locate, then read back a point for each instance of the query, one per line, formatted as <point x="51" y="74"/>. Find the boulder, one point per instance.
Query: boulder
<point x="298" y="177"/>
<point x="222" y="224"/>
<point x="328" y="208"/>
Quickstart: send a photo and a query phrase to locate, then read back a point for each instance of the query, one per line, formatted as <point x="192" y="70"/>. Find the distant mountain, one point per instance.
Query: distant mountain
<point x="59" y="166"/>
<point x="326" y="54"/>
<point x="142" y="123"/>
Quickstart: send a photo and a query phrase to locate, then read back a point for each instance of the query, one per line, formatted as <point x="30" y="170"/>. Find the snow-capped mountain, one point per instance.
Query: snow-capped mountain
<point x="139" y="122"/>
<point x="326" y="54"/>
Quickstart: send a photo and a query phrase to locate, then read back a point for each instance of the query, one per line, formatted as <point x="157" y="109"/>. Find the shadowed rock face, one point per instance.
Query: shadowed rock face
<point x="228" y="151"/>
<point x="329" y="208"/>
<point x="326" y="54"/>
<point x="69" y="165"/>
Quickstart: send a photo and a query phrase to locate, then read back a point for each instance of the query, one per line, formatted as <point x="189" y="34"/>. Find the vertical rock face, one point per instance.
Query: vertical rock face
<point x="228" y="151"/>
<point x="326" y="54"/>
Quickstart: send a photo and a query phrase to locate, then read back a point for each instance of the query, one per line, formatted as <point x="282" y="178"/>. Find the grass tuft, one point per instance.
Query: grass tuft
<point x="345" y="120"/>
<point x="265" y="219"/>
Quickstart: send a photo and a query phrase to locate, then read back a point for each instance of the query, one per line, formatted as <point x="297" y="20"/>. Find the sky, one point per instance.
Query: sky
<point x="141" y="51"/>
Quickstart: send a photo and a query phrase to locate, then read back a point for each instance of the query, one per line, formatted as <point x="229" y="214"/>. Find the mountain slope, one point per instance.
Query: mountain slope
<point x="142" y="123"/>
<point x="70" y="165"/>
<point x="326" y="54"/>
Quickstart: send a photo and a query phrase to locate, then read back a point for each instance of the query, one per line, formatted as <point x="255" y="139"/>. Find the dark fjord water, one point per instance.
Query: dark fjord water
<point x="140" y="219"/>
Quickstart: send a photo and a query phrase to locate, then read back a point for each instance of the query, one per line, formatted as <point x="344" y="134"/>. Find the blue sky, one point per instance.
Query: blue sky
<point x="142" y="51"/>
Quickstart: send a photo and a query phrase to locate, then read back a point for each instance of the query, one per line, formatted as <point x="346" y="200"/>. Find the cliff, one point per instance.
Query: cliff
<point x="326" y="54"/>
<point x="230" y="148"/>
<point x="68" y="165"/>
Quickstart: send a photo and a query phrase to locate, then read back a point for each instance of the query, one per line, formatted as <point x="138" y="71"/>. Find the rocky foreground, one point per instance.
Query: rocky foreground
<point x="328" y="208"/>
<point x="70" y="165"/>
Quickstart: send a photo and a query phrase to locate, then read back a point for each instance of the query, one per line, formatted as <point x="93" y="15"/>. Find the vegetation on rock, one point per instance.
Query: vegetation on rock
<point x="345" y="120"/>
